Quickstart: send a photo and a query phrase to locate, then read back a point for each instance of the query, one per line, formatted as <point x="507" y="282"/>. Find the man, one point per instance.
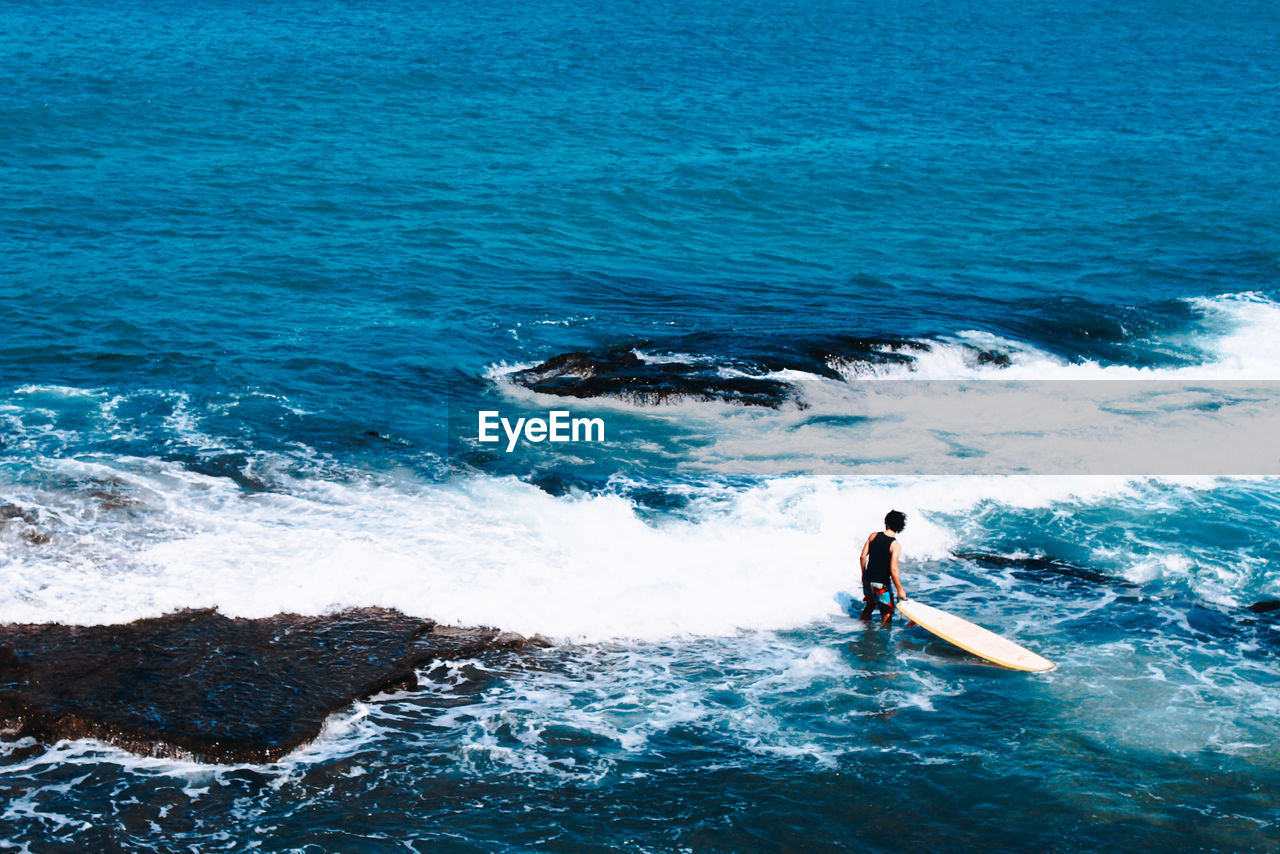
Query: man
<point x="879" y="562"/>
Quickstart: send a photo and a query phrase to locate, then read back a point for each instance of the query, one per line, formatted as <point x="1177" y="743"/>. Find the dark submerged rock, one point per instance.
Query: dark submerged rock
<point x="620" y="373"/>
<point x="197" y="684"/>
<point x="1036" y="568"/>
<point x="13" y="511"/>
<point x="26" y="522"/>
<point x="845" y="355"/>
<point x="237" y="467"/>
<point x="993" y="357"/>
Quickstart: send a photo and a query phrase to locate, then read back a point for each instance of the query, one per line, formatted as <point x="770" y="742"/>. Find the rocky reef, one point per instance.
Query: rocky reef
<point x="624" y="375"/>
<point x="728" y="370"/>
<point x="200" y="685"/>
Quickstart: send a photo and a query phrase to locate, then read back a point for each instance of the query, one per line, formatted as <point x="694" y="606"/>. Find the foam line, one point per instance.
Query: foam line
<point x="479" y="550"/>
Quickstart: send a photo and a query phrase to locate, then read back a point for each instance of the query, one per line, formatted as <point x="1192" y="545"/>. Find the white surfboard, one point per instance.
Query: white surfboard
<point x="972" y="637"/>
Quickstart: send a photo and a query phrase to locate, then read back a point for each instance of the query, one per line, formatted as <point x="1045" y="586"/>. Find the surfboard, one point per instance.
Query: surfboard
<point x="972" y="638"/>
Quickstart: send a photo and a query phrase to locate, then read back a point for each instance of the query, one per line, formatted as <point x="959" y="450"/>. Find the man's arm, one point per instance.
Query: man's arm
<point x="866" y="550"/>
<point x="894" y="551"/>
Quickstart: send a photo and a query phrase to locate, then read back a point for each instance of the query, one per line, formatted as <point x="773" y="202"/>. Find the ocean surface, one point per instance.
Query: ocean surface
<point x="257" y="258"/>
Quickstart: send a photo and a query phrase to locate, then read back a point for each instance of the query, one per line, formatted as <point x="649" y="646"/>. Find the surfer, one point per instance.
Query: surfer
<point x="879" y="562"/>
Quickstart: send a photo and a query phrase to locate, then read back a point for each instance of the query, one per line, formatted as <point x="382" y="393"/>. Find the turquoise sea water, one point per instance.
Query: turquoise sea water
<point x="254" y="256"/>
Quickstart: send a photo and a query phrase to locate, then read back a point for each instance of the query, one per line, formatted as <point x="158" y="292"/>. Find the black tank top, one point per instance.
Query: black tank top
<point x="878" y="560"/>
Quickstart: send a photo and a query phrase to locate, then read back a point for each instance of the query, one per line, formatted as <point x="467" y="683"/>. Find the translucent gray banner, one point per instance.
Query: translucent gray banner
<point x="1129" y="427"/>
<point x="899" y="427"/>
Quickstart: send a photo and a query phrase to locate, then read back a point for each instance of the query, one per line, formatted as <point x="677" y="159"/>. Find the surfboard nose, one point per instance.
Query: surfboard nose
<point x="973" y="638"/>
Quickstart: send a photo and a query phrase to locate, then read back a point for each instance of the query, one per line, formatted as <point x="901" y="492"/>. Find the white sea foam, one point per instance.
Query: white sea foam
<point x="478" y="550"/>
<point x="501" y="552"/>
<point x="1240" y="338"/>
<point x="1240" y="341"/>
<point x="602" y="707"/>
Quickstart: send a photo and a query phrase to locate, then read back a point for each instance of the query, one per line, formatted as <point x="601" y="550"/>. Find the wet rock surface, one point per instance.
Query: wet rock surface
<point x="729" y="370"/>
<point x="622" y="374"/>
<point x="1031" y="568"/>
<point x="197" y="684"/>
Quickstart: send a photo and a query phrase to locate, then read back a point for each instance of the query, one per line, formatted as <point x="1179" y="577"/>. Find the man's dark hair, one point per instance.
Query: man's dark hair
<point x="895" y="521"/>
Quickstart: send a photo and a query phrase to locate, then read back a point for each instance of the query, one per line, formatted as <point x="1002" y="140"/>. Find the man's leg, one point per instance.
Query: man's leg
<point x="886" y="603"/>
<point x="869" y="601"/>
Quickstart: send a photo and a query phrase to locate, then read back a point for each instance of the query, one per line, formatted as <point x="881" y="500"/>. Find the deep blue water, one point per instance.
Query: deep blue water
<point x="256" y="257"/>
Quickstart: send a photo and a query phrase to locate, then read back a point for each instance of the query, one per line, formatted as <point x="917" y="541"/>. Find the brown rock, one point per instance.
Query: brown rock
<point x="197" y="684"/>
